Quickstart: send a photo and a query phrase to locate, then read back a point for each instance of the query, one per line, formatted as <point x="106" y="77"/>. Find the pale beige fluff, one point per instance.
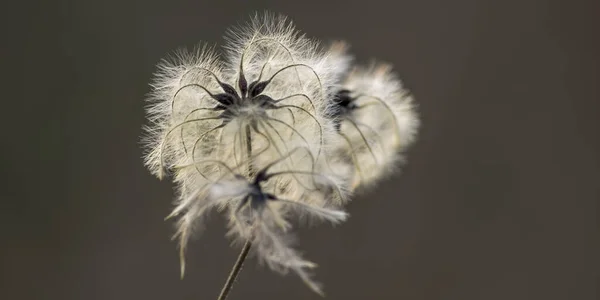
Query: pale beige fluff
<point x="382" y="125"/>
<point x="209" y="156"/>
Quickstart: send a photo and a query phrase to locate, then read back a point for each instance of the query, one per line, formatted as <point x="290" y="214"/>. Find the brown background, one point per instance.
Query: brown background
<point x="498" y="200"/>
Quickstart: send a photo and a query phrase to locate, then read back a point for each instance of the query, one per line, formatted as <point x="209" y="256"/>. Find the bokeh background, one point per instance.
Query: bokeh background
<point x="498" y="199"/>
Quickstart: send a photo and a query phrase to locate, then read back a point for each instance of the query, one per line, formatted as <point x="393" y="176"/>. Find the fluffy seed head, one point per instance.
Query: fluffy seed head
<point x="250" y="135"/>
<point x="278" y="130"/>
<point x="375" y="120"/>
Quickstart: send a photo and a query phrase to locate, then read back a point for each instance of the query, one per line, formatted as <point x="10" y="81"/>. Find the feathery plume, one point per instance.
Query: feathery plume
<point x="279" y="130"/>
<point x="249" y="136"/>
<point x="376" y="120"/>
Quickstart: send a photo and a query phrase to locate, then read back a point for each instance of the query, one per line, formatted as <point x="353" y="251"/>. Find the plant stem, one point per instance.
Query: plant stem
<point x="249" y="150"/>
<point x="237" y="267"/>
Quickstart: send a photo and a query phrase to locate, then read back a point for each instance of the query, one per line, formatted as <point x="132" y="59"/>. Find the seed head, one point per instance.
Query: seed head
<point x="376" y="121"/>
<point x="249" y="136"/>
<point x="277" y="130"/>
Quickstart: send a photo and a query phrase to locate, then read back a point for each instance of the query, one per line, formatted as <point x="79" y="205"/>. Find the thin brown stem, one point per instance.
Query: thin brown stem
<point x="237" y="267"/>
<point x="249" y="150"/>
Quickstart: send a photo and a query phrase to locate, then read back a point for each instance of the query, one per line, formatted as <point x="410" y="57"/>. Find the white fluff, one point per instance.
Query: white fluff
<point x="214" y="156"/>
<point x="383" y="124"/>
<point x="257" y="135"/>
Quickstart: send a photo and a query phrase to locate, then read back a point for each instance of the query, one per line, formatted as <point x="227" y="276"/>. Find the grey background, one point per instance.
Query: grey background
<point x="498" y="199"/>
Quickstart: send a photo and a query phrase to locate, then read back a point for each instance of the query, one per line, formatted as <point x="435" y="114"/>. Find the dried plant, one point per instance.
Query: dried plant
<point x="263" y="136"/>
<point x="375" y="120"/>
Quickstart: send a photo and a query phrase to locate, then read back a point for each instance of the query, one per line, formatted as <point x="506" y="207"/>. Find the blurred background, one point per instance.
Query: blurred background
<point x="498" y="199"/>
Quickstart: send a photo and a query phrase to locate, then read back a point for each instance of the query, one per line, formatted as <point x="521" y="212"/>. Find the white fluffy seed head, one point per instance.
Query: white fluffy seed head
<point x="215" y="134"/>
<point x="262" y="136"/>
<point x="382" y="124"/>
